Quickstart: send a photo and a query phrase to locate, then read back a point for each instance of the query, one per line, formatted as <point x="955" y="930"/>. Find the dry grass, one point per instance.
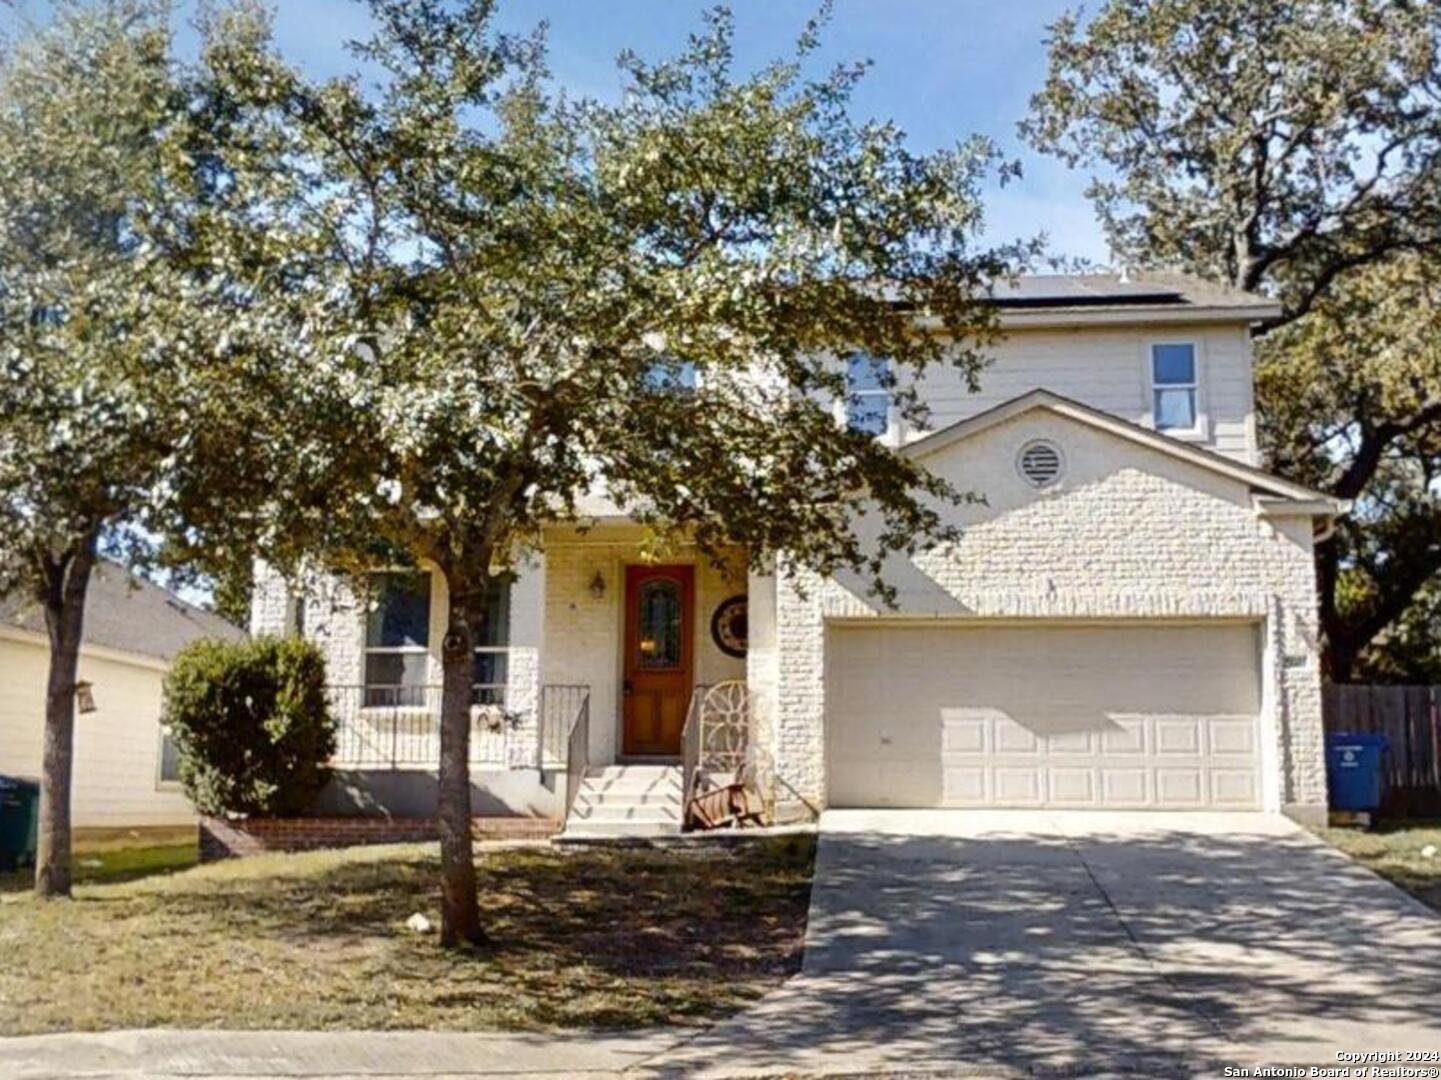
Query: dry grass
<point x="113" y="855"/>
<point x="594" y="938"/>
<point x="1394" y="850"/>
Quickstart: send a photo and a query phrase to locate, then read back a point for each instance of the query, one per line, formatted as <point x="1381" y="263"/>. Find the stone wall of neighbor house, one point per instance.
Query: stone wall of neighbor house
<point x="1128" y="534"/>
<point x="223" y="838"/>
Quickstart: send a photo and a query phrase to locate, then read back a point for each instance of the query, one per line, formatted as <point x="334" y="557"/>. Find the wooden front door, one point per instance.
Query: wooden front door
<point x="659" y="657"/>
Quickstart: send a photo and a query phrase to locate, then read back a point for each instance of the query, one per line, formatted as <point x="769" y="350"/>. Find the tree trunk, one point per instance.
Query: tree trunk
<point x="67" y="581"/>
<point x="459" y="905"/>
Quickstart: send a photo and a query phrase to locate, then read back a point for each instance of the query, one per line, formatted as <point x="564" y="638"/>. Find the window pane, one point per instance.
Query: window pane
<point x="396" y="669"/>
<point x="1175" y="409"/>
<point x="866" y="372"/>
<point x="672" y="374"/>
<point x="869" y="413"/>
<point x="169" y="758"/>
<point x="494" y="628"/>
<point x="489" y="678"/>
<point x="400" y="617"/>
<point x="659" y="623"/>
<point x="1171" y="364"/>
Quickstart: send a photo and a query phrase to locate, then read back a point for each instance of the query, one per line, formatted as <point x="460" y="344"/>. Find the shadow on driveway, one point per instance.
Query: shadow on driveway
<point x="1061" y="942"/>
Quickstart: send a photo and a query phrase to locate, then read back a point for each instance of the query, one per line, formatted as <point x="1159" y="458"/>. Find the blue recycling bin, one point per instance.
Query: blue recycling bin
<point x="1353" y="770"/>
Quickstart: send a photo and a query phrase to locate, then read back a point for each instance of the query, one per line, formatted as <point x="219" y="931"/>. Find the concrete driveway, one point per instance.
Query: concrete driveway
<point x="1162" y="943"/>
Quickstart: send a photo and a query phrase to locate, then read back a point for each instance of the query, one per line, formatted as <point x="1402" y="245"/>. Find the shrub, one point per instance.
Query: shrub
<point x="251" y="724"/>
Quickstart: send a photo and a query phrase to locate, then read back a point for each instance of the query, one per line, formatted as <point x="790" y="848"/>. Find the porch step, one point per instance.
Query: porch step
<point x="626" y="801"/>
<point x="627" y="798"/>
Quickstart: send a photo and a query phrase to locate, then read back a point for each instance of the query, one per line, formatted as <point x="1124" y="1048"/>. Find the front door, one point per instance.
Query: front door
<point x="659" y="648"/>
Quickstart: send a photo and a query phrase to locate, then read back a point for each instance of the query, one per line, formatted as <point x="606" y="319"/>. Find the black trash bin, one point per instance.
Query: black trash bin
<point x="19" y="820"/>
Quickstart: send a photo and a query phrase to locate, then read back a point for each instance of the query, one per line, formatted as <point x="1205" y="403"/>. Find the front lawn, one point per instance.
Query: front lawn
<point x="113" y="855"/>
<point x="590" y="938"/>
<point x="1394" y="850"/>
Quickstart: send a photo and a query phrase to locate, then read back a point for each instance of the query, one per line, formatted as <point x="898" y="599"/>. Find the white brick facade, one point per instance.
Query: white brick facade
<point x="1129" y="534"/>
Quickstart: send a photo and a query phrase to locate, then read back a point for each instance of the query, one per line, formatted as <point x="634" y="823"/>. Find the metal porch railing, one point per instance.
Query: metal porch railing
<point x="398" y="727"/>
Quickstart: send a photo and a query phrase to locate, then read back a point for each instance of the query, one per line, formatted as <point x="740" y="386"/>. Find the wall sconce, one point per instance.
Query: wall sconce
<point x="85" y="696"/>
<point x="597" y="585"/>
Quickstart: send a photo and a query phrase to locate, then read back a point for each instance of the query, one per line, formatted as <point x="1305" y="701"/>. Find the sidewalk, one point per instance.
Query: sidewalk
<point x="163" y="1055"/>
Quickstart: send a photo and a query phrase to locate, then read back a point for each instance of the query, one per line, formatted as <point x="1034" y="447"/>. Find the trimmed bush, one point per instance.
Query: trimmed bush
<point x="251" y="724"/>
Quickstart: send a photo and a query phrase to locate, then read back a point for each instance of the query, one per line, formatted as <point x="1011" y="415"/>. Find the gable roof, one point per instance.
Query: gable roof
<point x="129" y="614"/>
<point x="1297" y="497"/>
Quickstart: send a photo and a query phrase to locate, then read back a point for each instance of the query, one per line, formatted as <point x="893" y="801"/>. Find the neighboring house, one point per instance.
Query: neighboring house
<point x="124" y="766"/>
<point x="1129" y="620"/>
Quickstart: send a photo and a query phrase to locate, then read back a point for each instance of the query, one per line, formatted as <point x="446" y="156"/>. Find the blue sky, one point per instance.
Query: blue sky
<point x="943" y="69"/>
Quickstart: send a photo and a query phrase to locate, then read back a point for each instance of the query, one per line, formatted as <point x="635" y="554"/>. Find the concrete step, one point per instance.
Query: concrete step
<point x="600" y="830"/>
<point x="626" y="801"/>
<point x="627" y="798"/>
<point x="629" y="791"/>
<point x="611" y="812"/>
<point x="630" y="795"/>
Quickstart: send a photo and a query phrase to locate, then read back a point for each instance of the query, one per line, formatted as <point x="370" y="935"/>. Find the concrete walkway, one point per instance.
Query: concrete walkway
<point x="1028" y="942"/>
<point x="159" y="1055"/>
<point x="992" y="944"/>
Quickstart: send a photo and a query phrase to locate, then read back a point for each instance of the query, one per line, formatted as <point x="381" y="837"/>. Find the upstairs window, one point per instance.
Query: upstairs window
<point x="671" y="375"/>
<point x="1173" y="386"/>
<point x="397" y="639"/>
<point x="868" y="396"/>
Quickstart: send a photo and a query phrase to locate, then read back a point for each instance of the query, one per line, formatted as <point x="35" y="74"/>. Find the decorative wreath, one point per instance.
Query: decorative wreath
<point x="728" y="627"/>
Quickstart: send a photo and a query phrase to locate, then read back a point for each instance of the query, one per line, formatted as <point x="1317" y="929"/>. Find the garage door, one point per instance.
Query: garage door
<point x="1121" y="717"/>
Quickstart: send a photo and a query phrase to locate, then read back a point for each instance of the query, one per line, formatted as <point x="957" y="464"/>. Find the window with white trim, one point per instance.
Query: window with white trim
<point x="397" y="638"/>
<point x="169" y="771"/>
<point x="1174" y="385"/>
<point x="868" y="395"/>
<point x="492" y="645"/>
<point x="397" y="642"/>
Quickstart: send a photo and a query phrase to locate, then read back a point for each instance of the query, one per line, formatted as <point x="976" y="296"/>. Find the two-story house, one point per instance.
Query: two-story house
<point x="1128" y="621"/>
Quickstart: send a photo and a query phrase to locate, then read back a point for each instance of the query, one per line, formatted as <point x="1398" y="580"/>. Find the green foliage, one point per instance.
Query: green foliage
<point x="1267" y="143"/>
<point x="252" y="725"/>
<point x="1353" y="404"/>
<point x="121" y="332"/>
<point x="1291" y="147"/>
<point x="493" y="268"/>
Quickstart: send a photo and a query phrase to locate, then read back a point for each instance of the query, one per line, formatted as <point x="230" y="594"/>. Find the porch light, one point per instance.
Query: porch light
<point x="597" y="585"/>
<point x="85" y="696"/>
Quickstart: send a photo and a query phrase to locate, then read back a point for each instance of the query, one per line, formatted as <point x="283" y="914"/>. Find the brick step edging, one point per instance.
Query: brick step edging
<point x="223" y="838"/>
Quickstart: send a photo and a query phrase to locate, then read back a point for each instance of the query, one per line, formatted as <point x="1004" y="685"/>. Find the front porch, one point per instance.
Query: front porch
<point x="598" y="660"/>
<point x="387" y="753"/>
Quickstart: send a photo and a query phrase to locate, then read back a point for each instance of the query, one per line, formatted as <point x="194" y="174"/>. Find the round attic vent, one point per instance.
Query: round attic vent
<point x="1040" y="463"/>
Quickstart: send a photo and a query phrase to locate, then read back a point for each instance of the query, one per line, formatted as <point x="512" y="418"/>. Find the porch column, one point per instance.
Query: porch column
<point x="527" y="628"/>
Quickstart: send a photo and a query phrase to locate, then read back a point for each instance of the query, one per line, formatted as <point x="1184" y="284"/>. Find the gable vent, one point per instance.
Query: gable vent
<point x="1040" y="463"/>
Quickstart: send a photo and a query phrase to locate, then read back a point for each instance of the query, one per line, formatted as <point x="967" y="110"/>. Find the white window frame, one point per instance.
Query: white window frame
<point x="162" y="784"/>
<point x="1201" y="429"/>
<point x="498" y="650"/>
<point x="844" y="406"/>
<point x="367" y="650"/>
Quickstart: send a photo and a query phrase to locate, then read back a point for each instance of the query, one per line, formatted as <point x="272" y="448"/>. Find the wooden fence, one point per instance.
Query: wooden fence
<point x="1410" y="718"/>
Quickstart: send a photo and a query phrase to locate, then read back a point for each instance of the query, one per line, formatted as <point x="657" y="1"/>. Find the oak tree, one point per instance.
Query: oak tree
<point x="1290" y="147"/>
<point x="508" y="290"/>
<point x="116" y="404"/>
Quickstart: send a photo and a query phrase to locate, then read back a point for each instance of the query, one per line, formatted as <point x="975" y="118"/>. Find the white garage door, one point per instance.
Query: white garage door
<point x="1122" y="716"/>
